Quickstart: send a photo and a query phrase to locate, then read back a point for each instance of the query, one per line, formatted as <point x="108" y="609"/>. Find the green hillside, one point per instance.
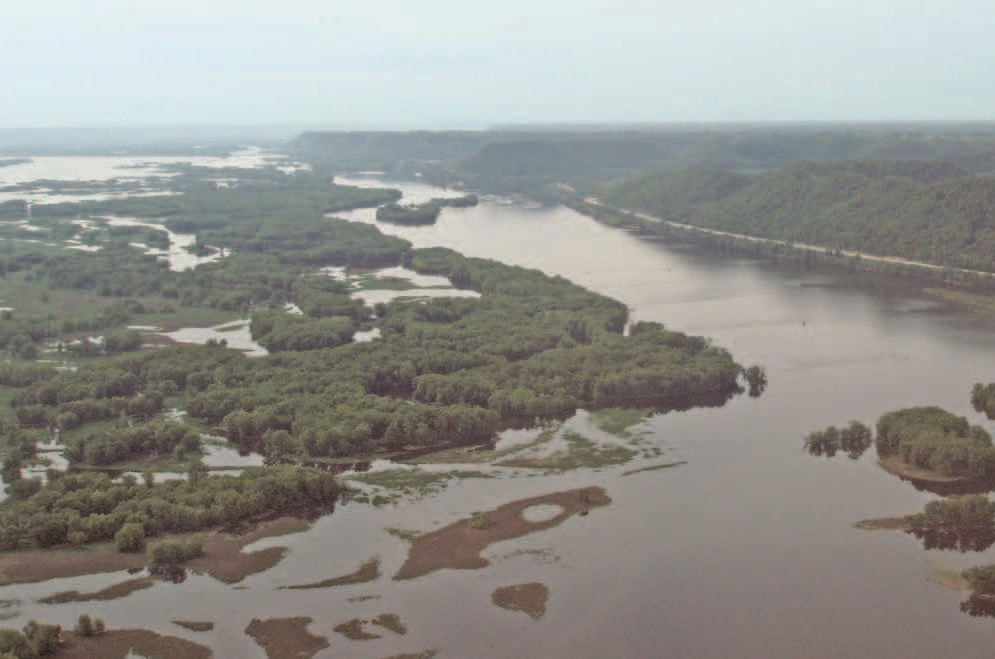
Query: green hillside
<point x="925" y="211"/>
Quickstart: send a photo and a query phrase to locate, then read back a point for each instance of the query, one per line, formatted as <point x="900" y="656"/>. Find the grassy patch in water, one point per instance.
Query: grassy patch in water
<point x="404" y="534"/>
<point x="186" y="317"/>
<point x="382" y="284"/>
<point x="617" y="421"/>
<point x="480" y="455"/>
<point x="581" y="453"/>
<point x="233" y="328"/>
<point x="413" y="482"/>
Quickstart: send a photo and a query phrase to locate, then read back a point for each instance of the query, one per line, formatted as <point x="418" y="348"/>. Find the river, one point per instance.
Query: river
<point x="746" y="550"/>
<point x="749" y="549"/>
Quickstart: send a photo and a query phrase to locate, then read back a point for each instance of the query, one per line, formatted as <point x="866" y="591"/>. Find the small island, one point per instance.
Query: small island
<point x="422" y="214"/>
<point x="928" y="446"/>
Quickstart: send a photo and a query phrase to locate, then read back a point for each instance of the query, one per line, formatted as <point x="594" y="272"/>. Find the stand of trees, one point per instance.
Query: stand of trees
<point x="853" y="440"/>
<point x="422" y="214"/>
<point x="93" y="507"/>
<point x="983" y="399"/>
<point x="32" y="641"/>
<point x="934" y="439"/>
<point x="965" y="523"/>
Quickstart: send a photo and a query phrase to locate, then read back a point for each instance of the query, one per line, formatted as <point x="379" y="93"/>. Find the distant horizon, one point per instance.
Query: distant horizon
<point x="623" y="125"/>
<point x="441" y="64"/>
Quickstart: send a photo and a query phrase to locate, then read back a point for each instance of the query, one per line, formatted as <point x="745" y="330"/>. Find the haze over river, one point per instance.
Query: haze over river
<point x="746" y="550"/>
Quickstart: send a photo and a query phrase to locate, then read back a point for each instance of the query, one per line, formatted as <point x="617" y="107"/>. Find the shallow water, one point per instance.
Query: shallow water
<point x="128" y="168"/>
<point x="236" y="333"/>
<point x="746" y="550"/>
<point x="133" y="169"/>
<point x="177" y="255"/>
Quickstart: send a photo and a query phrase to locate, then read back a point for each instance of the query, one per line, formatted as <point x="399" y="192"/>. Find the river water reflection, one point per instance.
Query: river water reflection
<point x="746" y="550"/>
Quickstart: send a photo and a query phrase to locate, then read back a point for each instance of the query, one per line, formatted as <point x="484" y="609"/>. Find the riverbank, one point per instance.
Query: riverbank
<point x="648" y="225"/>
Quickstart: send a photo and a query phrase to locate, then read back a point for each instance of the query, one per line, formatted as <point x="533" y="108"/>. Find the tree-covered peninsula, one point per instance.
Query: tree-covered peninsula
<point x="422" y="214"/>
<point x="516" y="348"/>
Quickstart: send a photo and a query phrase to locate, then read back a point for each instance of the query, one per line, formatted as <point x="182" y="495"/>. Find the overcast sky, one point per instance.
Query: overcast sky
<point x="449" y="63"/>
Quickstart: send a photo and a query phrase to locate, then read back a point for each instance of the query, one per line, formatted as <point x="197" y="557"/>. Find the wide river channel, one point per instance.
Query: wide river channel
<point x="747" y="550"/>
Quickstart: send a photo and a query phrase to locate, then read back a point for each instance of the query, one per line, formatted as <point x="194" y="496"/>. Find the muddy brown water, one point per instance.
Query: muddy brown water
<point x="746" y="550"/>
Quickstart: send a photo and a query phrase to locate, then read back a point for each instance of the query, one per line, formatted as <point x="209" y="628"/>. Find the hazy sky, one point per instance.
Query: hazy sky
<point x="437" y="63"/>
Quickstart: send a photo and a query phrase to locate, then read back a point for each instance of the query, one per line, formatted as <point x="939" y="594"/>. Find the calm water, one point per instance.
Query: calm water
<point x="747" y="550"/>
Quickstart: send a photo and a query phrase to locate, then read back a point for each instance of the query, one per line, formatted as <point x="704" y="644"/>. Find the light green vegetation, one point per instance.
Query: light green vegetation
<point x="404" y="534"/>
<point x="580" y="453"/>
<point x="481" y="454"/>
<point x="618" y="421"/>
<point x="371" y="283"/>
<point x="414" y="483"/>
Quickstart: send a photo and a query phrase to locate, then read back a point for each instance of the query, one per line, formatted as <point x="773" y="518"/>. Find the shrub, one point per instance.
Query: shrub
<point x="175" y="552"/>
<point x="84" y="626"/>
<point x="982" y="579"/>
<point x="131" y="538"/>
<point x="43" y="638"/>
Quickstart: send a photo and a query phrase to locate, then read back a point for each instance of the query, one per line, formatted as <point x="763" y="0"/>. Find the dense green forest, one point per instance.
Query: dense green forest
<point x="91" y="507"/>
<point x="447" y="370"/>
<point x="529" y="348"/>
<point x="927" y="211"/>
<point x="934" y="439"/>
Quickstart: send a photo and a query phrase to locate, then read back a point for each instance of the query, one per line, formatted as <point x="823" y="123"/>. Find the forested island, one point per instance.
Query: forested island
<point x="941" y="452"/>
<point x="523" y="349"/>
<point x="421" y="214"/>
<point x="924" y="444"/>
